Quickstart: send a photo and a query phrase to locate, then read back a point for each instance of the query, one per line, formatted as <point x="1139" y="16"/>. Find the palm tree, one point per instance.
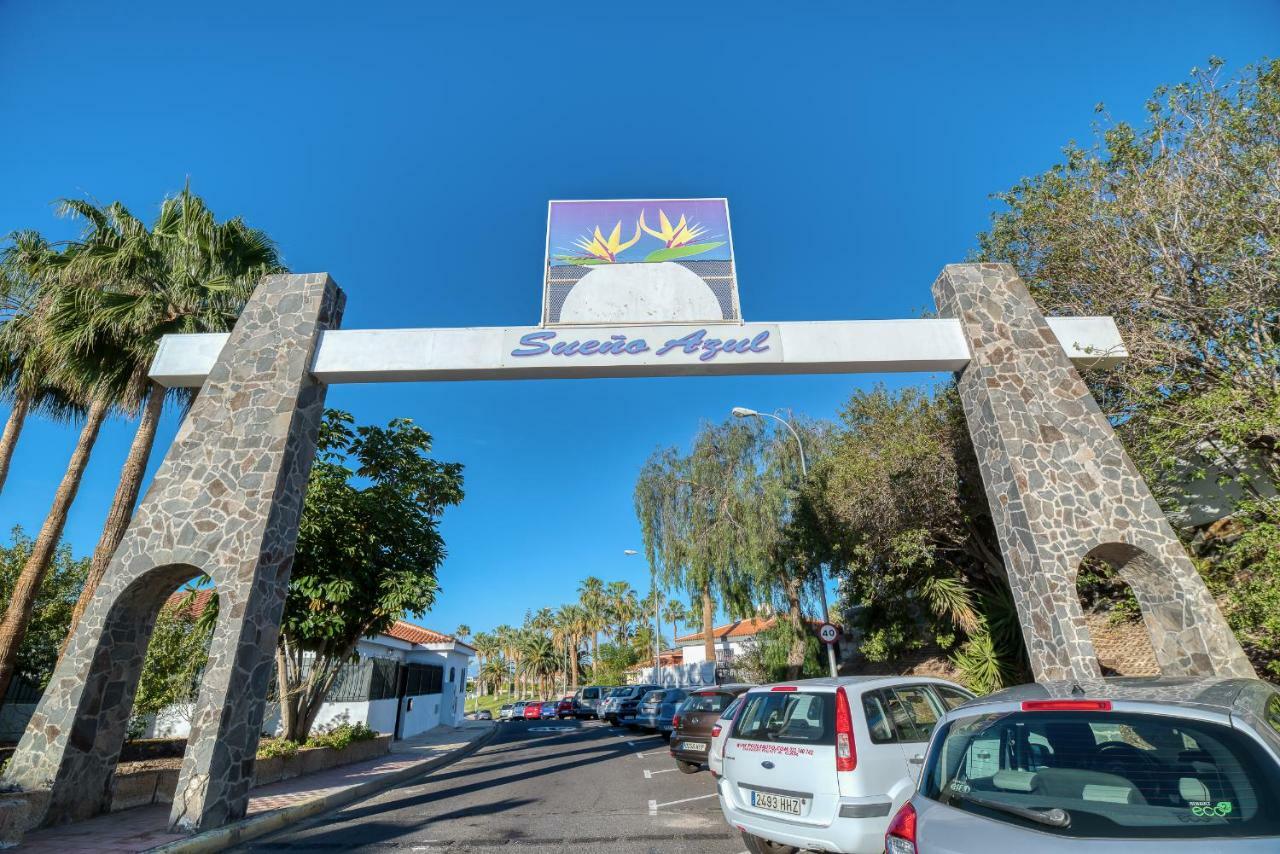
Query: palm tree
<point x="507" y="641"/>
<point x="494" y="673"/>
<point x="462" y="632"/>
<point x="488" y="647"/>
<point x="122" y="289"/>
<point x="25" y="372"/>
<point x="674" y="613"/>
<point x="591" y="597"/>
<point x="623" y="609"/>
<point x="540" y="660"/>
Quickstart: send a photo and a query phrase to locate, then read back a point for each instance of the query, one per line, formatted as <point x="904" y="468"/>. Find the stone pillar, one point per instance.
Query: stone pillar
<point x="225" y="502"/>
<point x="1062" y="488"/>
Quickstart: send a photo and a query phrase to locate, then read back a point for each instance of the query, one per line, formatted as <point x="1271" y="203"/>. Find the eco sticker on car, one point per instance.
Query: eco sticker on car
<point x="1205" y="809"/>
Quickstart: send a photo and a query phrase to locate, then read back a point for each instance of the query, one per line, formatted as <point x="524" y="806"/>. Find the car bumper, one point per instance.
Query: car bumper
<point x="699" y="756"/>
<point x="846" y="835"/>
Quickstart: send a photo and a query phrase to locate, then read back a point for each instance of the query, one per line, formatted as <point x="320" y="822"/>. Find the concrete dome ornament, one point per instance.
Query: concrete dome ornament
<point x="641" y="293"/>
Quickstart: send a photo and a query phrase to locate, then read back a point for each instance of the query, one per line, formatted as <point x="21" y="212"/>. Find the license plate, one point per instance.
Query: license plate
<point x="776" y="803"/>
<point x="694" y="746"/>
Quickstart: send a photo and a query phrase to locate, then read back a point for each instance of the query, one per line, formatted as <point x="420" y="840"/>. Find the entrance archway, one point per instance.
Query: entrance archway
<point x="1113" y="619"/>
<point x="227" y="497"/>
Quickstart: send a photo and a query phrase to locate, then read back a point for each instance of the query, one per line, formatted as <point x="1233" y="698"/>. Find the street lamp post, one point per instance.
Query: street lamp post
<point x="744" y="412"/>
<point x="657" y="626"/>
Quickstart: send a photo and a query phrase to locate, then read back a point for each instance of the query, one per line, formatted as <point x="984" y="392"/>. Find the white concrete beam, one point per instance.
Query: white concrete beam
<point x="526" y="352"/>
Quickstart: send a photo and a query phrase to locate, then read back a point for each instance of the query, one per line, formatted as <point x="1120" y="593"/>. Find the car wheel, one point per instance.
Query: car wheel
<point x="688" y="767"/>
<point x="756" y="845"/>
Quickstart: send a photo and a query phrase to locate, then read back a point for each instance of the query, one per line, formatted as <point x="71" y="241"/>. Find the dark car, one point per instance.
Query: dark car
<point x="568" y="708"/>
<point x="691" y="734"/>
<point x="658" y="709"/>
<point x="623" y="702"/>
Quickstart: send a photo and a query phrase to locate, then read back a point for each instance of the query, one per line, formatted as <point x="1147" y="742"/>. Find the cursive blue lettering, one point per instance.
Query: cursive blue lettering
<point x="637" y="346"/>
<point x="588" y="347"/>
<point x="531" y="344"/>
<point x="758" y="344"/>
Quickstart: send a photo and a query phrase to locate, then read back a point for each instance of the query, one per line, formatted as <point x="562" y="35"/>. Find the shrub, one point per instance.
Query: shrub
<point x="270" y="748"/>
<point x="342" y="735"/>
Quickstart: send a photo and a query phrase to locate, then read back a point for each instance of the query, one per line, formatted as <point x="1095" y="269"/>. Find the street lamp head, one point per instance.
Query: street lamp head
<point x="743" y="412"/>
<point x="629" y="552"/>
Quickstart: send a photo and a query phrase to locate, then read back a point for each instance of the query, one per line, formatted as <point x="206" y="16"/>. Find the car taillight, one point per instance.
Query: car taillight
<point x="1066" y="706"/>
<point x="900" y="838"/>
<point x="675" y="721"/>
<point x="846" y="753"/>
<point x="783" y="688"/>
<point x="715" y="731"/>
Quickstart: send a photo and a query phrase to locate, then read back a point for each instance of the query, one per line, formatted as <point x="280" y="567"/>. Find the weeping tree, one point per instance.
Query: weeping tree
<point x="716" y="522"/>
<point x="368" y="549"/>
<point x="898" y="506"/>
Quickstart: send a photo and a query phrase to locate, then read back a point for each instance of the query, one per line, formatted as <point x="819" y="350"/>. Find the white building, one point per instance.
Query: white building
<point x="404" y="681"/>
<point x="730" y="640"/>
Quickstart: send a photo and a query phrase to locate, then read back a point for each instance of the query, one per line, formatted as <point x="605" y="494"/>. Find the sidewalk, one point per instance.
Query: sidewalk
<point x="270" y="807"/>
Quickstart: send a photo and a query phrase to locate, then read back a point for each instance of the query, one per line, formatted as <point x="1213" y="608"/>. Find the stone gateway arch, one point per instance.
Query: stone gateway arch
<point x="227" y="497"/>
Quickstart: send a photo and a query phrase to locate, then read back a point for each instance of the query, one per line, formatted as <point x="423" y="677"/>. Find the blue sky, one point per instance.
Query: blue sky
<point x="409" y="149"/>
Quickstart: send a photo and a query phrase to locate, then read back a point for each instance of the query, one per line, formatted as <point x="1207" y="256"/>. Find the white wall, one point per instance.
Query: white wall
<point x="725" y="650"/>
<point x="424" y="714"/>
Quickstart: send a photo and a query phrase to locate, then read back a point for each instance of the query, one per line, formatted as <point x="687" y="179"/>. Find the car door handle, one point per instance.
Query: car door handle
<point x="916" y="760"/>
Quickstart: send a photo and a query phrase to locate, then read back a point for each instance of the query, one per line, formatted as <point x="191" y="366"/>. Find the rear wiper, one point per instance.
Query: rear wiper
<point x="1055" y="817"/>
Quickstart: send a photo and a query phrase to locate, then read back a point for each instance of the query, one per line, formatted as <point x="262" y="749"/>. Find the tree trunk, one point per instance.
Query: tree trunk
<point x="288" y="699"/>
<point x="708" y="624"/>
<point x="12" y="428"/>
<point x="18" y="614"/>
<point x="135" y="468"/>
<point x="595" y="657"/>
<point x="795" y="616"/>
<point x="573" y="664"/>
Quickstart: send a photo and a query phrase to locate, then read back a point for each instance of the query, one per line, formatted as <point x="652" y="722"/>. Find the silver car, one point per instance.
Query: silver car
<point x="1168" y="765"/>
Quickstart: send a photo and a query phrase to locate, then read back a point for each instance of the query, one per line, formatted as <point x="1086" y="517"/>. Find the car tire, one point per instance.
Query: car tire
<point x="756" y="845"/>
<point x="688" y="767"/>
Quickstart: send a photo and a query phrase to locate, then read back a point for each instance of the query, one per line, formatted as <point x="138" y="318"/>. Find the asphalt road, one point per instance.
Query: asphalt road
<point x="549" y="786"/>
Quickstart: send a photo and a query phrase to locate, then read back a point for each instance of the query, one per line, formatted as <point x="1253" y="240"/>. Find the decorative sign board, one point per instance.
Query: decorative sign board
<point x="639" y="261"/>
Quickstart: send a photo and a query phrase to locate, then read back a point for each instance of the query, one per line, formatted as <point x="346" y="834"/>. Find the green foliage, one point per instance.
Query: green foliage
<point x="51" y="612"/>
<point x="1171" y="227"/>
<point x="682" y="251"/>
<point x="898" y="502"/>
<point x="613" y="662"/>
<point x="768" y="657"/>
<point x="1242" y="569"/>
<point x="270" y="748"/>
<point x="175" y="662"/>
<point x="368" y="549"/>
<point x="342" y="735"/>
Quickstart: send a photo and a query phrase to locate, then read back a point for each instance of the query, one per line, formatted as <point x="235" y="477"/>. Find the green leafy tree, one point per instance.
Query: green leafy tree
<point x="591" y="596"/>
<point x="611" y="667"/>
<point x="173" y="669"/>
<point x="1171" y="227"/>
<point x="900" y="507"/>
<point x="51" y="611"/>
<point x="368" y="549"/>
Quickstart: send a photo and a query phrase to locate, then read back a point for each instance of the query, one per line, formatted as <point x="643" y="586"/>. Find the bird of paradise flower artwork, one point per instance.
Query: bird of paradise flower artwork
<point x="683" y="238"/>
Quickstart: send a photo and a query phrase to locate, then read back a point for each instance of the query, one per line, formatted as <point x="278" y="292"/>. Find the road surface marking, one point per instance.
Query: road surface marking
<point x="654" y="805"/>
<point x="654" y="753"/>
<point x="648" y="775"/>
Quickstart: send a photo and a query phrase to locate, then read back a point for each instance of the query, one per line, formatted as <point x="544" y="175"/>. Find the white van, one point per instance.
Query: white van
<point x="821" y="764"/>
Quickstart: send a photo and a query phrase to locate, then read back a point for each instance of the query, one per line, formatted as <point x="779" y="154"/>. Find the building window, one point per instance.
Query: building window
<point x="451" y="674"/>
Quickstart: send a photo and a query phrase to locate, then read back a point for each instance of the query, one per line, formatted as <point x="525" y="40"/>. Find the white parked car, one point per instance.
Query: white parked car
<point x="822" y="764"/>
<point x="719" y="735"/>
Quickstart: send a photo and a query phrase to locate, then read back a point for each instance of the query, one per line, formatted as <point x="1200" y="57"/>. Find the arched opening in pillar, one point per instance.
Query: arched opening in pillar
<point x="1168" y="603"/>
<point x="1114" y="621"/>
<point x="146" y="670"/>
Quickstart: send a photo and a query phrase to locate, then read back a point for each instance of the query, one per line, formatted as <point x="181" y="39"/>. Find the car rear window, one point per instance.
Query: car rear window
<point x="1117" y="775"/>
<point x="790" y="717"/>
<point x="655" y="696"/>
<point x="707" y="702"/>
<point x="591" y="693"/>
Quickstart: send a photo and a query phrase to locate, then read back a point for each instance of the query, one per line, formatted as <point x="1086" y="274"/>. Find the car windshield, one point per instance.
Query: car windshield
<point x="620" y="692"/>
<point x="790" y="717"/>
<point x="1117" y="775"/>
<point x="709" y="701"/>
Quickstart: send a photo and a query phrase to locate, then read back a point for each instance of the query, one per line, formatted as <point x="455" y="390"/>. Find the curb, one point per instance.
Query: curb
<point x="269" y="822"/>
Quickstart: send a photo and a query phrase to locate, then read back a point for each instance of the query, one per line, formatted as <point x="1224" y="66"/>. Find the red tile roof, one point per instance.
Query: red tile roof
<point x="409" y="633"/>
<point x="400" y="630"/>
<point x="740" y="629"/>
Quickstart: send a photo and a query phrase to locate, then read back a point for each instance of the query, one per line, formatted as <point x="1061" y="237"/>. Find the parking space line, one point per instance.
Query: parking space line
<point x="654" y="753"/>
<point x="654" y="805"/>
<point x="648" y="775"/>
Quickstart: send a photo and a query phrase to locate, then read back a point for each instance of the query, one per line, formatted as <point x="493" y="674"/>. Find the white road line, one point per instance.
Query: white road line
<point x="654" y="805"/>
<point x="648" y="775"/>
<point x="654" y="753"/>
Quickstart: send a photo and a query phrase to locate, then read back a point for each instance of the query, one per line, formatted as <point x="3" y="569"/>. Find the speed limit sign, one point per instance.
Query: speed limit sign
<point x="828" y="633"/>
